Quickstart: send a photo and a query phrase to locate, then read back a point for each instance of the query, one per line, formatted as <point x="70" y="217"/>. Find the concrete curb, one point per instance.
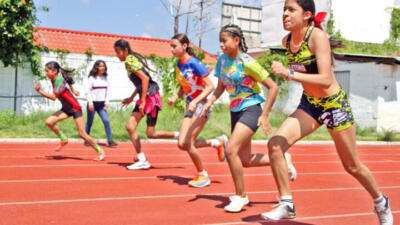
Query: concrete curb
<point x="76" y="140"/>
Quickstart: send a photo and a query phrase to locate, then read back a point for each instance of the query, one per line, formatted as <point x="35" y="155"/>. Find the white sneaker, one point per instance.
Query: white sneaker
<point x="292" y="170"/>
<point x="139" y="165"/>
<point x="237" y="203"/>
<point x="283" y="210"/>
<point x="384" y="213"/>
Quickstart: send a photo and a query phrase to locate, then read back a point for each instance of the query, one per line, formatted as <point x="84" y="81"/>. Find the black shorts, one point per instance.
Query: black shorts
<point x="151" y="119"/>
<point x="248" y="116"/>
<point x="72" y="112"/>
<point x="334" y="111"/>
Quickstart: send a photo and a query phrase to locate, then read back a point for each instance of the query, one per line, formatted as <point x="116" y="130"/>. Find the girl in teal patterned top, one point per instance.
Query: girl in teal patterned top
<point x="149" y="102"/>
<point x="241" y="75"/>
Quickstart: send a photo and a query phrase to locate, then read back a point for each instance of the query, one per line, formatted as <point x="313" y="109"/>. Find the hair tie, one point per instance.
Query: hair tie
<point x="319" y="18"/>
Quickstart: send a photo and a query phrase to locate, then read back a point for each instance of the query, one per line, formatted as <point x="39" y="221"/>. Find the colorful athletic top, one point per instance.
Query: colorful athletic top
<point x="190" y="76"/>
<point x="133" y="65"/>
<point x="303" y="60"/>
<point x="62" y="92"/>
<point x="240" y="77"/>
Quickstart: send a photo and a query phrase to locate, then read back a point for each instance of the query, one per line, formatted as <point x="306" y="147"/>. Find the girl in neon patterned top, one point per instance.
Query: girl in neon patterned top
<point x="323" y="102"/>
<point x="62" y="87"/>
<point x="240" y="75"/>
<point x="195" y="84"/>
<point x="149" y="102"/>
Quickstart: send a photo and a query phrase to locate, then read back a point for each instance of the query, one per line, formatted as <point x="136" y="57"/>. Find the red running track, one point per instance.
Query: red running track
<point x="40" y="186"/>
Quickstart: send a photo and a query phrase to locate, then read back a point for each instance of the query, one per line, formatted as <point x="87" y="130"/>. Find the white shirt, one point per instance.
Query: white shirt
<point x="97" y="89"/>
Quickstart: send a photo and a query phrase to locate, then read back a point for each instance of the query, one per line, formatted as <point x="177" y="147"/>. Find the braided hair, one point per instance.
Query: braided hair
<point x="236" y="31"/>
<point x="65" y="73"/>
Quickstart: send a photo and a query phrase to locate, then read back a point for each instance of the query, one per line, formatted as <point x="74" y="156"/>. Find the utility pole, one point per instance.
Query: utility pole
<point x="201" y="21"/>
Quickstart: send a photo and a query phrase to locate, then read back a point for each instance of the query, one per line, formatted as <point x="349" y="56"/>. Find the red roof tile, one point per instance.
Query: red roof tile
<point x="102" y="44"/>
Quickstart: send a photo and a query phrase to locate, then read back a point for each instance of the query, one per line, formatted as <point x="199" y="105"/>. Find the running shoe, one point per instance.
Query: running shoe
<point x="236" y="203"/>
<point x="138" y="165"/>
<point x="61" y="144"/>
<point x="221" y="147"/>
<point x="100" y="157"/>
<point x="291" y="168"/>
<point x="111" y="143"/>
<point x="283" y="210"/>
<point x="384" y="213"/>
<point x="199" y="181"/>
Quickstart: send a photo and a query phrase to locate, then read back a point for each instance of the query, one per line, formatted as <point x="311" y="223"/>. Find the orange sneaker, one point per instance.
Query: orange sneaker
<point x="200" y="181"/>
<point x="61" y="144"/>
<point x="221" y="147"/>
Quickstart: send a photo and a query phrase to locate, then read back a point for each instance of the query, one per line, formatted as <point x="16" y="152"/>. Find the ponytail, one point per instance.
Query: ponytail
<point x="123" y="44"/>
<point x="183" y="39"/>
<point x="65" y="73"/>
<point x="236" y="31"/>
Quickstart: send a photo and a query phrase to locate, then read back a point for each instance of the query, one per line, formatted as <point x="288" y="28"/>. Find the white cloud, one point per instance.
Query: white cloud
<point x="146" y="35"/>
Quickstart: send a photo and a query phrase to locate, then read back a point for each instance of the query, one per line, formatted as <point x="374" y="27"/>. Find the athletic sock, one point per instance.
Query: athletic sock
<point x="62" y="136"/>
<point x="287" y="199"/>
<point x="176" y="134"/>
<point x="98" y="149"/>
<point x="215" y="143"/>
<point x="380" y="201"/>
<point x="203" y="173"/>
<point x="141" y="157"/>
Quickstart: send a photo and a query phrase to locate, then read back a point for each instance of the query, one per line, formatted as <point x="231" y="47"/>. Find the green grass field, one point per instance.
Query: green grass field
<point x="33" y="125"/>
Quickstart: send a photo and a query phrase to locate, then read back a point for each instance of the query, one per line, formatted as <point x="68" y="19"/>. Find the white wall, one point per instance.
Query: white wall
<point x="120" y="85"/>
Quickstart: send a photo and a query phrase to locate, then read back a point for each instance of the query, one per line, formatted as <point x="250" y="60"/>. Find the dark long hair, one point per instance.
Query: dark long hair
<point x="183" y="39"/>
<point x="95" y="69"/>
<point x="123" y="44"/>
<point x="235" y="31"/>
<point x="65" y="73"/>
<point x="309" y="5"/>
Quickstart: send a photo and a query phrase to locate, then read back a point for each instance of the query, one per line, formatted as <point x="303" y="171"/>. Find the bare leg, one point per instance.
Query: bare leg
<point x="295" y="127"/>
<point x="131" y="126"/>
<point x="52" y="121"/>
<point x="240" y="139"/>
<point x="190" y="129"/>
<point x="153" y="133"/>
<point x="345" y="142"/>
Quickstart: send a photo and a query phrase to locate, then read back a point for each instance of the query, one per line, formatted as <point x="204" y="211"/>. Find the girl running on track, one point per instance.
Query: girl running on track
<point x="97" y="95"/>
<point x="240" y="75"/>
<point x="149" y="102"/>
<point x="323" y="102"/>
<point x="62" y="87"/>
<point x="194" y="82"/>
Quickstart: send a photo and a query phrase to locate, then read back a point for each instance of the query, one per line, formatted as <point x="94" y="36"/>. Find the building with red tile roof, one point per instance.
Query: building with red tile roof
<point x="102" y="44"/>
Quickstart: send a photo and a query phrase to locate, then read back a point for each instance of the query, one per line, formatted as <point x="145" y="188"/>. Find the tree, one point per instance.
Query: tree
<point x="395" y="24"/>
<point x="17" y="19"/>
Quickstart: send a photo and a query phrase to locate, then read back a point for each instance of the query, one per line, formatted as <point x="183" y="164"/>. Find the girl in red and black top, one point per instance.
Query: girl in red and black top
<point x="62" y="88"/>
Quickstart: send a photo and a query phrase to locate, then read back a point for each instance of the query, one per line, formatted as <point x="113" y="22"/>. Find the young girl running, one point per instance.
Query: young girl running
<point x="240" y="75"/>
<point x="97" y="95"/>
<point x="62" y="87"/>
<point x="194" y="82"/>
<point x="323" y="102"/>
<point x="149" y="103"/>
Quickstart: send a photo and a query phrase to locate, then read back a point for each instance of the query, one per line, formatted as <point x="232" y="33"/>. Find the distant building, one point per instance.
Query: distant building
<point x="78" y="44"/>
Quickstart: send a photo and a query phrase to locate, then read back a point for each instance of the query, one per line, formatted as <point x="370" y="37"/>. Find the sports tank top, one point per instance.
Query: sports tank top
<point x="303" y="60"/>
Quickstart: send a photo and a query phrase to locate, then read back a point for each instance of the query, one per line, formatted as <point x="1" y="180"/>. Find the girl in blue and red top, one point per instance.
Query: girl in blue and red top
<point x="62" y="88"/>
<point x="194" y="82"/>
<point x="149" y="102"/>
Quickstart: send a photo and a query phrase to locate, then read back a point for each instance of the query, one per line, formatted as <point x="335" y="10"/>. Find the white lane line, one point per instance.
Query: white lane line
<point x="179" y="164"/>
<point x="302" y="218"/>
<point x="172" y="176"/>
<point x="166" y="155"/>
<point x="176" y="196"/>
